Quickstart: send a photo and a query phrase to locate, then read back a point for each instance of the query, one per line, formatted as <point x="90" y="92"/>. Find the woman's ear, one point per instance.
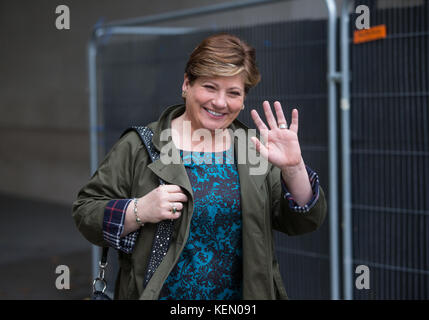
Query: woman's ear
<point x="185" y="84"/>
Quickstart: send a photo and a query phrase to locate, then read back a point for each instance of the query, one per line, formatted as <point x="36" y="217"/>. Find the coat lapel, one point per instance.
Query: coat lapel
<point x="168" y="167"/>
<point x="256" y="260"/>
<point x="172" y="174"/>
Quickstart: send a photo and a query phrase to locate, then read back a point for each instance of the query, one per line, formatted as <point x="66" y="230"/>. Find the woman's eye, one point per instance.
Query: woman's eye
<point x="235" y="93"/>
<point x="209" y="87"/>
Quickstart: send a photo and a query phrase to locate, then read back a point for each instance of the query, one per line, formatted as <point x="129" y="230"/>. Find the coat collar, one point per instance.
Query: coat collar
<point x="164" y="123"/>
<point x="171" y="173"/>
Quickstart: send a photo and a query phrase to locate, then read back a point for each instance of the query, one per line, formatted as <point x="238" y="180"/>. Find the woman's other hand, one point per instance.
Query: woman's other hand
<point x="162" y="203"/>
<point x="159" y="204"/>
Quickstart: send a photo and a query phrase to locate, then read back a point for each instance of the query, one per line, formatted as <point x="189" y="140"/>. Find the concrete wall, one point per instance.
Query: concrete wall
<point x="44" y="148"/>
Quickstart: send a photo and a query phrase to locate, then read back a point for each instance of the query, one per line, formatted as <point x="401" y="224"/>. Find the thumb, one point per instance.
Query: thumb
<point x="260" y="147"/>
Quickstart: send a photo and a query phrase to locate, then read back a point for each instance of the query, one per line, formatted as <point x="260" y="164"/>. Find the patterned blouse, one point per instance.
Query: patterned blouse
<point x="210" y="266"/>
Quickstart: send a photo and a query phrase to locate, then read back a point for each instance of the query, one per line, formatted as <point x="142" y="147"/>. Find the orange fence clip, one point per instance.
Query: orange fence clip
<point x="371" y="34"/>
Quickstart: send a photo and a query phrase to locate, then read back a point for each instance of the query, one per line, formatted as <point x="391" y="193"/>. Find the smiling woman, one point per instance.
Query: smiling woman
<point x="222" y="246"/>
<point x="218" y="75"/>
<point x="212" y="104"/>
<point x="224" y="55"/>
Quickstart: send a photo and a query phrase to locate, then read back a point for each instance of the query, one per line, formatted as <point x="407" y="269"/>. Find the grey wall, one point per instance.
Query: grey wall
<point x="44" y="149"/>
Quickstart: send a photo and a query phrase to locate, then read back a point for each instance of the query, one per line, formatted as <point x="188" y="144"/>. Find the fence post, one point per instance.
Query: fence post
<point x="332" y="78"/>
<point x="345" y="153"/>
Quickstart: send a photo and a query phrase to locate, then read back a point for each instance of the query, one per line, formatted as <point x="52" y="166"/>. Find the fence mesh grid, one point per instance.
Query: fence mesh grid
<point x="390" y="149"/>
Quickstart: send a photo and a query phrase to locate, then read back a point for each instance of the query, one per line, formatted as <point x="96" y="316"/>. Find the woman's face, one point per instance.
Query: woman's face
<point x="213" y="102"/>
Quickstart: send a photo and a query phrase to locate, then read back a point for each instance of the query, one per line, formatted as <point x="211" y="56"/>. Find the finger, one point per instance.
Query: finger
<point x="258" y="121"/>
<point x="279" y="113"/>
<point x="171" y="216"/>
<point x="168" y="209"/>
<point x="174" y="216"/>
<point x="171" y="188"/>
<point x="294" y="124"/>
<point x="177" y="197"/>
<point x="269" y="115"/>
<point x="175" y="211"/>
<point x="260" y="147"/>
<point x="177" y="205"/>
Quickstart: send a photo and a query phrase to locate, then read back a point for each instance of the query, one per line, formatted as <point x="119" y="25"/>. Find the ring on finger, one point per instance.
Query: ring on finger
<point x="282" y="126"/>
<point x="173" y="209"/>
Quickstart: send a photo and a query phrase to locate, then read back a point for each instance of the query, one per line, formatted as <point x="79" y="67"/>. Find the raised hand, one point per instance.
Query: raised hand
<point x="281" y="146"/>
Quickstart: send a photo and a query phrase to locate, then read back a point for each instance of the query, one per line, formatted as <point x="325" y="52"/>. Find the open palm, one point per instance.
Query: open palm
<point x="281" y="146"/>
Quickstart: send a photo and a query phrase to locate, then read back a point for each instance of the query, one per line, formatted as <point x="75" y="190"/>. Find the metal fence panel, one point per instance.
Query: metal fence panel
<point x="390" y="154"/>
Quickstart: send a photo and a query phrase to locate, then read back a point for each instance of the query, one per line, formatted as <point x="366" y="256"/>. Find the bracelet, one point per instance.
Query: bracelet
<point x="139" y="222"/>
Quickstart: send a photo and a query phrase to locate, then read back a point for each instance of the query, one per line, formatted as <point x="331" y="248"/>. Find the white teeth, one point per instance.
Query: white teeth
<point x="214" y="113"/>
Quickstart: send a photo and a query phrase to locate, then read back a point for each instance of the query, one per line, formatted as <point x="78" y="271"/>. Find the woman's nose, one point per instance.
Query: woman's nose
<point x="220" y="100"/>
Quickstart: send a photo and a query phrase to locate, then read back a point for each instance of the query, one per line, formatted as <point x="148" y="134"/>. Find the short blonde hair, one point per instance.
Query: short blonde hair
<point x="223" y="55"/>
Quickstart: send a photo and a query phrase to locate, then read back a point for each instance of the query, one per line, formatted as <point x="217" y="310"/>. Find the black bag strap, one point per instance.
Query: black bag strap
<point x="103" y="260"/>
<point x="165" y="228"/>
<point x="97" y="294"/>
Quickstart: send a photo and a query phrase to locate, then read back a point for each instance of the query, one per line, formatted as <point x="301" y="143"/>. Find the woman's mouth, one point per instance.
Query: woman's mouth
<point x="213" y="114"/>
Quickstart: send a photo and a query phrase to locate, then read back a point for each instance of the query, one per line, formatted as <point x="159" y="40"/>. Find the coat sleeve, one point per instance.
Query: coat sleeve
<point x="288" y="219"/>
<point x="112" y="180"/>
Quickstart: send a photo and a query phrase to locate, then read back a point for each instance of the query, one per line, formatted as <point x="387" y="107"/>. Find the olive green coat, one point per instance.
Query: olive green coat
<point x="127" y="172"/>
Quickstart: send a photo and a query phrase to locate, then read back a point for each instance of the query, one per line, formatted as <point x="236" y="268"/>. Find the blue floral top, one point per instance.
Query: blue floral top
<point x="210" y="266"/>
